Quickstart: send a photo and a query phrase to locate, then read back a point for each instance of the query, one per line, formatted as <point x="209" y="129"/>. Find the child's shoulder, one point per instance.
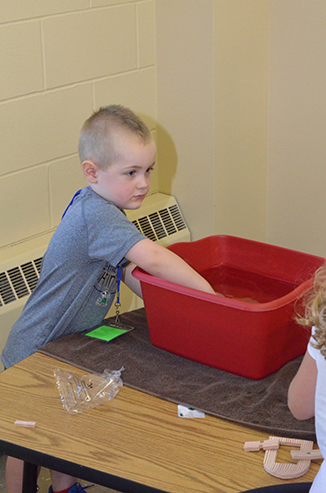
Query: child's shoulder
<point x="91" y="199"/>
<point x="96" y="209"/>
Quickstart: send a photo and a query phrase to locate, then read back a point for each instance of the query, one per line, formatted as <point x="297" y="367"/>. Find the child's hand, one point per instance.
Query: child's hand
<point x="219" y="294"/>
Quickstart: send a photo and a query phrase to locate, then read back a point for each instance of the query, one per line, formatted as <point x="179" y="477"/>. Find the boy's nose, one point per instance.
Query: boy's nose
<point x="143" y="182"/>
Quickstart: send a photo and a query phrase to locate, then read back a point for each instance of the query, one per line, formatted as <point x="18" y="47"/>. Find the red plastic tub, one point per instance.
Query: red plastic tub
<point x="251" y="331"/>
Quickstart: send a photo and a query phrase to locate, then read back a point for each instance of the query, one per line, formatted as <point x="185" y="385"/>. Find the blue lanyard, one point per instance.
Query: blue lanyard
<point x="117" y="303"/>
<point x="70" y="203"/>
<point x="119" y="278"/>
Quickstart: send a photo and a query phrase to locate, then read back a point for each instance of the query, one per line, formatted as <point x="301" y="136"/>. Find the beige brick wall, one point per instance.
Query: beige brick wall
<point x="212" y="79"/>
<point x="60" y="60"/>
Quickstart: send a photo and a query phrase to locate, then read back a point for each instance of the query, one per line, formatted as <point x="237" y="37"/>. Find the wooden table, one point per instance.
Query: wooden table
<point x="134" y="443"/>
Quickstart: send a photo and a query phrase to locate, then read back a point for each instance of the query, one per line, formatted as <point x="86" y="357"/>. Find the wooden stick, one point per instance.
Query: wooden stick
<point x="25" y="424"/>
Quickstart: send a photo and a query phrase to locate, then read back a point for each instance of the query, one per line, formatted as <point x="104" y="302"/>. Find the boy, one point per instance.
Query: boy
<point x="77" y="284"/>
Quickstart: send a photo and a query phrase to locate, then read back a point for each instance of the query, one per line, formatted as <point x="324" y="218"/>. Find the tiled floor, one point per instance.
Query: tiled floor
<point x="44" y="481"/>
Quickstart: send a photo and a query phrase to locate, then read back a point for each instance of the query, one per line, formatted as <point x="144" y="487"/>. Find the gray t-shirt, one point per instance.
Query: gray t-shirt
<point x="77" y="283"/>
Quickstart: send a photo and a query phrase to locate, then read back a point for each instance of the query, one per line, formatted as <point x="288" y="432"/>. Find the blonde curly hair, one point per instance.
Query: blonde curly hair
<point x="315" y="309"/>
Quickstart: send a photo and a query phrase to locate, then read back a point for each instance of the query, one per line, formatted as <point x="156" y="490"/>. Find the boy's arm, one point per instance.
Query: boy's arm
<point x="161" y="262"/>
<point x="130" y="280"/>
<point x="301" y="395"/>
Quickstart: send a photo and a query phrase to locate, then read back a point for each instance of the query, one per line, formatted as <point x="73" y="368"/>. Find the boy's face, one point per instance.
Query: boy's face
<point x="126" y="181"/>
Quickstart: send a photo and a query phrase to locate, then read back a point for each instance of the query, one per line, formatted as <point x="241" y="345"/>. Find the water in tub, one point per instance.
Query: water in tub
<point x="251" y="287"/>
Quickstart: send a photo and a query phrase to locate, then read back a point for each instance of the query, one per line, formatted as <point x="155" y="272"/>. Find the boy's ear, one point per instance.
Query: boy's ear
<point x="90" y="170"/>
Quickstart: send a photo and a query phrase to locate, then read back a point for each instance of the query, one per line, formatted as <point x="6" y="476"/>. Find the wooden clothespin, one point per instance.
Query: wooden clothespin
<point x="284" y="470"/>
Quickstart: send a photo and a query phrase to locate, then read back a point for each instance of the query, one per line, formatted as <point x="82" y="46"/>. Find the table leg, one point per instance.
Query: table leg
<point x="30" y="478"/>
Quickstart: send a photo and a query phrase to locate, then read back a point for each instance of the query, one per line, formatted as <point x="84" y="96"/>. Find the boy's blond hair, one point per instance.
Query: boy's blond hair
<point x="315" y="309"/>
<point x="96" y="141"/>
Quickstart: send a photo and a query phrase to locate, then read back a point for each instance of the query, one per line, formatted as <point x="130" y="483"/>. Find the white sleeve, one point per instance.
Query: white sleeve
<point x="314" y="352"/>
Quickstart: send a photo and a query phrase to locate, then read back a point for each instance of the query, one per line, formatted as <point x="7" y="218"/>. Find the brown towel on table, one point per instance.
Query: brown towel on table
<point x="260" y="404"/>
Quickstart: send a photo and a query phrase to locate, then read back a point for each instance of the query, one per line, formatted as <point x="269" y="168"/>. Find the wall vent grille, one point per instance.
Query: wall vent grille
<point x="19" y="281"/>
<point x="160" y="224"/>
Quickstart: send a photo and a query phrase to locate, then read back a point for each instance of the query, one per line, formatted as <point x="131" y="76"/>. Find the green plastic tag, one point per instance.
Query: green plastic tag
<point x="107" y="333"/>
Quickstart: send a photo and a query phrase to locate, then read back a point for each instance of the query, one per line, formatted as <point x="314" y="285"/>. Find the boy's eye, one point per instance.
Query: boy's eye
<point x="132" y="172"/>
